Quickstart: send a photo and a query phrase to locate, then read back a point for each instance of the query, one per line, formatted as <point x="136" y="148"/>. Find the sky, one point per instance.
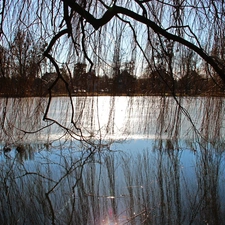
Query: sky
<point x="43" y="22"/>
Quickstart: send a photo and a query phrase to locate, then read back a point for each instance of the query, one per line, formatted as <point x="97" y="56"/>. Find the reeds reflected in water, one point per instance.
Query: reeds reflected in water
<point x="141" y="161"/>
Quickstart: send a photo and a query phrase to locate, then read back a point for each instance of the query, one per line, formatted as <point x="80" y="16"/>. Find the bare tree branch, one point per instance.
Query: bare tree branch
<point x="114" y="10"/>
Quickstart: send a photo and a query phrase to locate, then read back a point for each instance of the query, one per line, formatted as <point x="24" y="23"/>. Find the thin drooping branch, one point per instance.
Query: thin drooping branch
<point x="47" y="55"/>
<point x="59" y="76"/>
<point x="115" y="10"/>
<point x="53" y="41"/>
<point x="2" y="17"/>
<point x="83" y="46"/>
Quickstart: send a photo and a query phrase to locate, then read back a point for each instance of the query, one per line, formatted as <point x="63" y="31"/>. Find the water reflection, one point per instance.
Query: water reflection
<point x="111" y="118"/>
<point x="150" y="185"/>
<point x="141" y="161"/>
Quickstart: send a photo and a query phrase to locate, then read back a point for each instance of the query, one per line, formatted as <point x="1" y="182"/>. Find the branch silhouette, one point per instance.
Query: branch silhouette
<point x="115" y="10"/>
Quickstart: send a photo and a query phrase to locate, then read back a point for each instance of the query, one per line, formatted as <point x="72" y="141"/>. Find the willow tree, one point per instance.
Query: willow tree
<point x="92" y="27"/>
<point x="152" y="34"/>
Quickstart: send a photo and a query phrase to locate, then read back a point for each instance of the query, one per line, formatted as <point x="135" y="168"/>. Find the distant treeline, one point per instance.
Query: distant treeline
<point x="22" y="65"/>
<point x="159" y="82"/>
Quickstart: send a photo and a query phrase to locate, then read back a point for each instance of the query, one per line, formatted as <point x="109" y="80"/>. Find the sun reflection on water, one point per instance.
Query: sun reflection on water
<point x="112" y="219"/>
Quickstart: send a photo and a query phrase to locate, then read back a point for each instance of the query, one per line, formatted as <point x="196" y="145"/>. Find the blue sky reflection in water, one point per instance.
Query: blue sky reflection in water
<point x="149" y="167"/>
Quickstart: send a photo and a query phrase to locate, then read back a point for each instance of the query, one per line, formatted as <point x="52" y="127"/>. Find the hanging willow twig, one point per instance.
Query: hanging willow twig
<point x="115" y="10"/>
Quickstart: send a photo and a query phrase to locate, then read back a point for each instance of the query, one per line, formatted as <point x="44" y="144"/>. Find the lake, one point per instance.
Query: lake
<point x="112" y="160"/>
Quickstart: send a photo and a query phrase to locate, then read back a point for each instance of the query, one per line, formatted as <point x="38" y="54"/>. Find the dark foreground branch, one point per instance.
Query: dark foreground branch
<point x="115" y="10"/>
